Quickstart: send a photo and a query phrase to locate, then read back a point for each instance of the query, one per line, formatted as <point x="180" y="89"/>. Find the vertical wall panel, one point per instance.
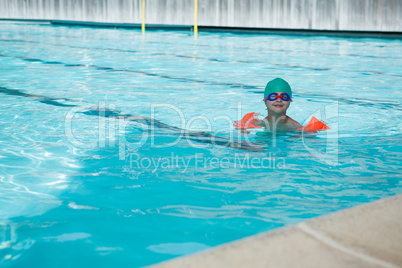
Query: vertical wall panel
<point x="359" y="15"/>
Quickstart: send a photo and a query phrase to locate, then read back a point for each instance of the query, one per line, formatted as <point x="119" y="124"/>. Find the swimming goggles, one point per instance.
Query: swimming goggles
<point x="274" y="96"/>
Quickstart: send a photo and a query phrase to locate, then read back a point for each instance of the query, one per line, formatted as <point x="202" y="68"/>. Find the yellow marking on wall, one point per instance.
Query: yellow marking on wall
<point x="195" y="18"/>
<point x="143" y="16"/>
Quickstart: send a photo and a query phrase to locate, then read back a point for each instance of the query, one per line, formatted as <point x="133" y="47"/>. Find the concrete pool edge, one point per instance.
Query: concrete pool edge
<point x="205" y="28"/>
<point x="368" y="235"/>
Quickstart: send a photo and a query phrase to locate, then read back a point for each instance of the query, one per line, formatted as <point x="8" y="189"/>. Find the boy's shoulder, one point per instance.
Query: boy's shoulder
<point x="290" y="120"/>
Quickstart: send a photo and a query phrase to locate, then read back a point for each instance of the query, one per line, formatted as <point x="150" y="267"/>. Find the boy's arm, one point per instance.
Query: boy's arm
<point x="260" y="123"/>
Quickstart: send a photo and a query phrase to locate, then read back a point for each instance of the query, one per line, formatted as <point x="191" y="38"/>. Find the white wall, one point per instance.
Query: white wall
<point x="354" y="15"/>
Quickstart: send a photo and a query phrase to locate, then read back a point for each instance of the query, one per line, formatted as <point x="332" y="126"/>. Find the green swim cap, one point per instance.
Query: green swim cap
<point x="277" y="85"/>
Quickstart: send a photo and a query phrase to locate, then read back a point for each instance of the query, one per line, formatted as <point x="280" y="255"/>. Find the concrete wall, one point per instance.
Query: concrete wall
<point x="345" y="15"/>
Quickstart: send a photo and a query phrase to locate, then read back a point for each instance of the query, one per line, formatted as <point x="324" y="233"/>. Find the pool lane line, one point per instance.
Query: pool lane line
<point x="212" y="59"/>
<point x="217" y="60"/>
<point x="198" y="136"/>
<point x="359" y="101"/>
<point x="179" y="79"/>
<point x="40" y="98"/>
<point x="179" y="56"/>
<point x="282" y="65"/>
<point x="69" y="46"/>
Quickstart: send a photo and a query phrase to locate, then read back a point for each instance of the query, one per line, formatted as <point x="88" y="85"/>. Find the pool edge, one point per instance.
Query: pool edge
<point x="207" y="28"/>
<point x="368" y="235"/>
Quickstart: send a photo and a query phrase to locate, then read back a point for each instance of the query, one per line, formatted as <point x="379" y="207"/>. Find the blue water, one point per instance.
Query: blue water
<point x="87" y="179"/>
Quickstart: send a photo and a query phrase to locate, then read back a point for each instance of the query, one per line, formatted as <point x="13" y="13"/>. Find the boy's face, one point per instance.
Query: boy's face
<point x="277" y="106"/>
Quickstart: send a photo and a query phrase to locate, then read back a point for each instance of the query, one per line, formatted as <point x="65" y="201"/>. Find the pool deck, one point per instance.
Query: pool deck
<point x="368" y="235"/>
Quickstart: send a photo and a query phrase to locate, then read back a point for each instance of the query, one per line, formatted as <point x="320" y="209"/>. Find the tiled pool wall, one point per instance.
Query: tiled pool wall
<point x="335" y="15"/>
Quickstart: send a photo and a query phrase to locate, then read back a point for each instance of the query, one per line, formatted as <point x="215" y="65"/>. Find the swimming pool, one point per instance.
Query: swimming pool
<point x="87" y="181"/>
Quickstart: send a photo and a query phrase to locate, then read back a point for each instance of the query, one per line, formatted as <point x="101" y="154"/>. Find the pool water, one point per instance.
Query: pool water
<point x="88" y="179"/>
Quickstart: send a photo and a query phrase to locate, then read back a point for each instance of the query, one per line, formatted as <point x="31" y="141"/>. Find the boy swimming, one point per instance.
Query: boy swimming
<point x="277" y="98"/>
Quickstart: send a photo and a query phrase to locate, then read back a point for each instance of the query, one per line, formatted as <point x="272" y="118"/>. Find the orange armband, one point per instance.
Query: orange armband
<point x="247" y="121"/>
<point x="314" y="125"/>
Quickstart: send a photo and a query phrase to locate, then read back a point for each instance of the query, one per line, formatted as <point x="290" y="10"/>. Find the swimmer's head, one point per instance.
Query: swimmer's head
<point x="277" y="85"/>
